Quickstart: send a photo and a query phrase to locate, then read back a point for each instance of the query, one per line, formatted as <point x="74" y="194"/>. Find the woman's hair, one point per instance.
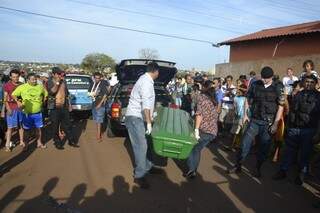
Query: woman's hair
<point x="207" y="84"/>
<point x="308" y="62"/>
<point x="211" y="94"/>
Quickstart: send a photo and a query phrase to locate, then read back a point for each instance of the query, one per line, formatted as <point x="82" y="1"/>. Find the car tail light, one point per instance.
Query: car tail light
<point x="115" y="110"/>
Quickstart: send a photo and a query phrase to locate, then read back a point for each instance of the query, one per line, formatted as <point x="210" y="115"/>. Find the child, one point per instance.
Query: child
<point x="239" y="102"/>
<point x="178" y="93"/>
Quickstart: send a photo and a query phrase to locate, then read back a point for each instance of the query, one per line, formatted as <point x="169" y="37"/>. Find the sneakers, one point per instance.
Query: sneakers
<point x="190" y="174"/>
<point x="58" y="145"/>
<point x="155" y="171"/>
<point x="142" y="183"/>
<point x="299" y="179"/>
<point x="74" y="145"/>
<point x="280" y="175"/>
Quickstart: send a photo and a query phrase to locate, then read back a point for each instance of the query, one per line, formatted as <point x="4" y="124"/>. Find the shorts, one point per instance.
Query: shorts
<point x="98" y="115"/>
<point x="15" y="119"/>
<point x="236" y="127"/>
<point x="30" y="121"/>
<point x="226" y="116"/>
<point x="178" y="102"/>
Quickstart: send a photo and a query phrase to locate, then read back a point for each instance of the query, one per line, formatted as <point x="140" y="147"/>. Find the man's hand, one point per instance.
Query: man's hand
<point x="20" y="105"/>
<point x="98" y="106"/>
<point x="273" y="128"/>
<point x="149" y="128"/>
<point x="316" y="138"/>
<point x="3" y="114"/>
<point x="70" y="108"/>
<point x="245" y="118"/>
<point x="9" y="111"/>
<point x="197" y="134"/>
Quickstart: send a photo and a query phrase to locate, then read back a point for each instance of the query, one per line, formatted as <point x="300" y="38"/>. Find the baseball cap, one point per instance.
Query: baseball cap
<point x="266" y="72"/>
<point x="44" y="74"/>
<point x="57" y="70"/>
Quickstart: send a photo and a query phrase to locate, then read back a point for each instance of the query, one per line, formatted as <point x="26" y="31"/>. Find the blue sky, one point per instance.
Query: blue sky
<point x="31" y="38"/>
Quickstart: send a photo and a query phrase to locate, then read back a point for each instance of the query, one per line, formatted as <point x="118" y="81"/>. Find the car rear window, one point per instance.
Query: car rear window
<point x="78" y="82"/>
<point x="162" y="95"/>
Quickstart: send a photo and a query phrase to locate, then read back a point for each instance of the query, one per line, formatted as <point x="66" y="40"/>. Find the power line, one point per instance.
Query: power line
<point x="298" y="11"/>
<point x="274" y="20"/>
<point x="109" y="26"/>
<point x="202" y="13"/>
<point x="156" y="16"/>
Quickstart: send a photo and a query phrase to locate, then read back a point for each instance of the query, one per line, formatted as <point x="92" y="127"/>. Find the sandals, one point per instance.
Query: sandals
<point x="7" y="149"/>
<point x="41" y="146"/>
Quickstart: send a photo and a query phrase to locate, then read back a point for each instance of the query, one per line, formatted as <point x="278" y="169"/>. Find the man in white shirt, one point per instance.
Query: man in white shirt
<point x="139" y="112"/>
<point x="226" y="115"/>
<point x="288" y="81"/>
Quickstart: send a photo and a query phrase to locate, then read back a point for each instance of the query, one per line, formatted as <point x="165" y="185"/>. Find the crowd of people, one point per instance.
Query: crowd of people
<point x="31" y="101"/>
<point x="259" y="110"/>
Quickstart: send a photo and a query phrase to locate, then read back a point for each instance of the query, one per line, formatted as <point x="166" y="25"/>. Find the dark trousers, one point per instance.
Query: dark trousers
<point x="256" y="128"/>
<point x="60" y="116"/>
<point x="298" y="139"/>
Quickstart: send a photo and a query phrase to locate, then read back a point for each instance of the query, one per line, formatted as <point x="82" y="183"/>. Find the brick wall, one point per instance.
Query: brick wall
<point x="279" y="66"/>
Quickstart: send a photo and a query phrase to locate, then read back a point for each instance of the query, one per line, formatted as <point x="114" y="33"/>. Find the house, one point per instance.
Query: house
<point x="279" y="48"/>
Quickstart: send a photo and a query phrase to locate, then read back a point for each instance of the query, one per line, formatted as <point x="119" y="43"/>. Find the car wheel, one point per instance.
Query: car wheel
<point x="110" y="132"/>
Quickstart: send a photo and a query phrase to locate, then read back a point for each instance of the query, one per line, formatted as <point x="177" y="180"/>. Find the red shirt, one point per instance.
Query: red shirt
<point x="9" y="87"/>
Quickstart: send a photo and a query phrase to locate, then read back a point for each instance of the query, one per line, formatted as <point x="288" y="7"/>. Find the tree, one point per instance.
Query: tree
<point x="98" y="62"/>
<point x="148" y="53"/>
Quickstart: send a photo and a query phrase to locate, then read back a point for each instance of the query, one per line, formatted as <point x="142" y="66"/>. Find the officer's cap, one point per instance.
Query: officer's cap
<point x="266" y="72"/>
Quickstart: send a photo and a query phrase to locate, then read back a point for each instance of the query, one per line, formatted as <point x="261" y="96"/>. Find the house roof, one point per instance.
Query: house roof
<point x="304" y="28"/>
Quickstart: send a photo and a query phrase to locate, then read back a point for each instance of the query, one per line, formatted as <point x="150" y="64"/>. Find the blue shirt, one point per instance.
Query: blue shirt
<point x="239" y="102"/>
<point x="219" y="96"/>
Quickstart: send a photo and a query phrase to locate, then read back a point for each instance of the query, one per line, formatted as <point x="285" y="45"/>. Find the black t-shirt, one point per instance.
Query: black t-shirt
<point x="101" y="90"/>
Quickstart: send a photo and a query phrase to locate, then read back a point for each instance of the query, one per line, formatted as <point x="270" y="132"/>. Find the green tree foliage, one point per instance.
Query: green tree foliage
<point x="98" y="62"/>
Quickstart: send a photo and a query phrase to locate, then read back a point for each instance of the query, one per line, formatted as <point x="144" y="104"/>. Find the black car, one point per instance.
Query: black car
<point x="128" y="72"/>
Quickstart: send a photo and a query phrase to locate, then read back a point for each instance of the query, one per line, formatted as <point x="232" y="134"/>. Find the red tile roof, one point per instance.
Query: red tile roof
<point x="304" y="28"/>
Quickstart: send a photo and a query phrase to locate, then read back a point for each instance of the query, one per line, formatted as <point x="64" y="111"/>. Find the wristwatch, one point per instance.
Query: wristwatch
<point x="57" y="83"/>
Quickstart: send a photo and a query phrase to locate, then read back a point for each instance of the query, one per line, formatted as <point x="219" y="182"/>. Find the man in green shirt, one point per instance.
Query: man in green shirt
<point x="30" y="98"/>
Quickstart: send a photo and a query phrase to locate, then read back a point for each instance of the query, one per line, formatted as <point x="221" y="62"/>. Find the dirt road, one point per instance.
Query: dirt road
<point x="97" y="177"/>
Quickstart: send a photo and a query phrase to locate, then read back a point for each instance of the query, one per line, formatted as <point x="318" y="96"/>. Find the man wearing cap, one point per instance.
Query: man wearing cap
<point x="265" y="99"/>
<point x="59" y="106"/>
<point x="303" y="129"/>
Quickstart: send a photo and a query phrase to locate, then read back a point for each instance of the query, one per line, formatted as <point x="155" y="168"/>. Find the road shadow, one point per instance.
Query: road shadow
<point x="266" y="195"/>
<point x="42" y="202"/>
<point x="17" y="159"/>
<point x="163" y="196"/>
<point x="10" y="196"/>
<point x="151" y="155"/>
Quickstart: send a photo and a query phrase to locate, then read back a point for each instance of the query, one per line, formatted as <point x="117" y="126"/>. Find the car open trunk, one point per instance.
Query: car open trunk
<point x="129" y="71"/>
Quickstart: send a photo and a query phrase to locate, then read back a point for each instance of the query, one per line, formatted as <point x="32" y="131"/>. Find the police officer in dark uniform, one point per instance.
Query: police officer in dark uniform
<point x="265" y="100"/>
<point x="303" y="129"/>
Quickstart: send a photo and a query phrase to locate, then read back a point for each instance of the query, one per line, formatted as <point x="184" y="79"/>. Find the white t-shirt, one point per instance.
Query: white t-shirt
<point x="227" y="101"/>
<point x="287" y="83"/>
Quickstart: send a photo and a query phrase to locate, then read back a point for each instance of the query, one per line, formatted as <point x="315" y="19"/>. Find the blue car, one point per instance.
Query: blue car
<point x="78" y="86"/>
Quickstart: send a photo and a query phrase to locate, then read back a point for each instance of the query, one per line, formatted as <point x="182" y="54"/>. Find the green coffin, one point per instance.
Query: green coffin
<point x="173" y="133"/>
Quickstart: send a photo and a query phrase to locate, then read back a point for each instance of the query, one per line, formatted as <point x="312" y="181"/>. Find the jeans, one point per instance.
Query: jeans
<point x="297" y="139"/>
<point x="60" y="116"/>
<point x="194" y="158"/>
<point x="260" y="128"/>
<point x="136" y="130"/>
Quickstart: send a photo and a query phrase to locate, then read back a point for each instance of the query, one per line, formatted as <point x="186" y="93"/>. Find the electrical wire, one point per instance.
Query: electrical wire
<point x="156" y="16"/>
<point x="109" y="26"/>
